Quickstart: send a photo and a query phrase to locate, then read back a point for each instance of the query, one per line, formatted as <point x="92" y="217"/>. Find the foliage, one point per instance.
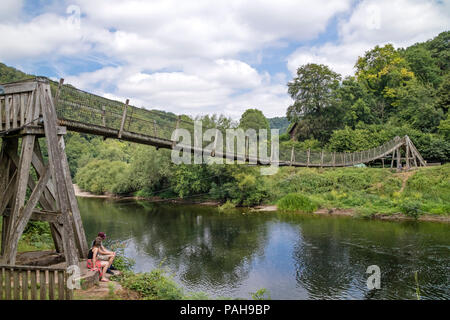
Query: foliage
<point x="154" y="285"/>
<point x="314" y="90"/>
<point x="411" y="208"/>
<point x="100" y="176"/>
<point x="121" y="262"/>
<point x="281" y="123"/>
<point x="8" y="74"/>
<point x="254" y="119"/>
<point x="297" y="202"/>
<point x="261" y="294"/>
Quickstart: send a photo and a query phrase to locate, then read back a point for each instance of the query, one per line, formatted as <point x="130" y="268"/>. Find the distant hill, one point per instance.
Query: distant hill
<point x="281" y="123"/>
<point x="10" y="74"/>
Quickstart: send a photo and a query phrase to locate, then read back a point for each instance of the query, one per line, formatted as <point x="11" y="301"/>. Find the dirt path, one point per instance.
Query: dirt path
<point x="404" y="176"/>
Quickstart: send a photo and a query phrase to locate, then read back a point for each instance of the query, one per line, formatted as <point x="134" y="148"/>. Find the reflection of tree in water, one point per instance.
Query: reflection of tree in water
<point x="196" y="241"/>
<point x="204" y="245"/>
<point x="333" y="254"/>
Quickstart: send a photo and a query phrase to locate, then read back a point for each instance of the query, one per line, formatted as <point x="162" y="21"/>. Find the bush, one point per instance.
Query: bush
<point x="297" y="202"/>
<point x="411" y="208"/>
<point x="154" y="285"/>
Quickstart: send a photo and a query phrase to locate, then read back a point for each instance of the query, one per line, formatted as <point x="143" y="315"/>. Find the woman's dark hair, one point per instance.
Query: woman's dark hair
<point x="97" y="242"/>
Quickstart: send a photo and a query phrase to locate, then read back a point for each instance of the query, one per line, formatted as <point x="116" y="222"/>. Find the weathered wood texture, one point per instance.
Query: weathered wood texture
<point x="27" y="116"/>
<point x="24" y="283"/>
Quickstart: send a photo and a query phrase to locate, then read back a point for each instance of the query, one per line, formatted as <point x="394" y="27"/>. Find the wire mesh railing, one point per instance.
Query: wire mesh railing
<point x="87" y="108"/>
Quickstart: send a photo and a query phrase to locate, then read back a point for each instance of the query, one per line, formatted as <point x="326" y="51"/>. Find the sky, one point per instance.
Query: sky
<point x="204" y="57"/>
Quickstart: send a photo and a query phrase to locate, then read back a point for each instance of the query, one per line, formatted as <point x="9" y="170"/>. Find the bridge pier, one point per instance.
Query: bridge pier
<point x="31" y="186"/>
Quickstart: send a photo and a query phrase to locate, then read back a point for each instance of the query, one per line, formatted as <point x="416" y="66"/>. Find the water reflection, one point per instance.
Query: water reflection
<point x="293" y="256"/>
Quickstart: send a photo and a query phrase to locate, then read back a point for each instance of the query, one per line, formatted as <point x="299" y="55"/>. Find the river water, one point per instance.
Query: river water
<point x="293" y="256"/>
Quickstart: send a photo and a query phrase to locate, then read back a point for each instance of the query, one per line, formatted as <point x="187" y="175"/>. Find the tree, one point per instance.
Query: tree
<point x="316" y="107"/>
<point x="383" y="71"/>
<point x="254" y="119"/>
<point x="423" y="65"/>
<point x="357" y="103"/>
<point x="443" y="94"/>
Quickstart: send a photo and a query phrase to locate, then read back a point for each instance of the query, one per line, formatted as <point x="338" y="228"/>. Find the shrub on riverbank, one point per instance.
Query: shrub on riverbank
<point x="297" y="202"/>
<point x="154" y="285"/>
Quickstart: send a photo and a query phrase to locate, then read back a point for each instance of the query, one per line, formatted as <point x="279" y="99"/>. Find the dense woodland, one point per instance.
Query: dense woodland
<point x="394" y="92"/>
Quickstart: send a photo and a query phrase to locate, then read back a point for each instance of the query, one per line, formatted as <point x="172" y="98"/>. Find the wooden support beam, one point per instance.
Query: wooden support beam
<point x="308" y="154"/>
<point x="124" y="118"/>
<point x="40" y="215"/>
<point x="392" y="159"/>
<point x="19" y="220"/>
<point x="23" y="173"/>
<point x="55" y="162"/>
<point x="77" y="223"/>
<point x="292" y="156"/>
<point x="104" y="116"/>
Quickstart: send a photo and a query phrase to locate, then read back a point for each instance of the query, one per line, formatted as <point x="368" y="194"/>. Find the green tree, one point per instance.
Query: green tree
<point x="315" y="107"/>
<point x="254" y="119"/>
<point x="423" y="65"/>
<point x="383" y="71"/>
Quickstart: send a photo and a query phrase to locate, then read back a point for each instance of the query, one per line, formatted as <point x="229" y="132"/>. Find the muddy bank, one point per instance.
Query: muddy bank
<point x="353" y="213"/>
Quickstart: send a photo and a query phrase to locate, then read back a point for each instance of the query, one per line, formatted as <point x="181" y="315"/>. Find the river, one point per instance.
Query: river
<point x="293" y="256"/>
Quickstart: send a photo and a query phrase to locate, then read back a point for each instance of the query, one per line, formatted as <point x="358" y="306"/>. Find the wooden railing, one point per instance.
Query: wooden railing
<point x="34" y="283"/>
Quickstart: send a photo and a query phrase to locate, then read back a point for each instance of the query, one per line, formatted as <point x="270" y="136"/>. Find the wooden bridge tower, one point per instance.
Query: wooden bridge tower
<point x="31" y="187"/>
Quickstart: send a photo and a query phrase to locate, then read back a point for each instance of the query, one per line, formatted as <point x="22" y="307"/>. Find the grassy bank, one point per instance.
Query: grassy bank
<point x="368" y="191"/>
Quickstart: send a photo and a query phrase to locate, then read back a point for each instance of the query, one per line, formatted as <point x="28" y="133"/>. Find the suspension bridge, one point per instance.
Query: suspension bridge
<point x="42" y="109"/>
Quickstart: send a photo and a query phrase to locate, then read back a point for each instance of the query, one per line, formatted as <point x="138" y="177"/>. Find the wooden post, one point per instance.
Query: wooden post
<point x="56" y="155"/>
<point x="292" y="155"/>
<point x="392" y="159"/>
<point x="58" y="92"/>
<point x="33" y="277"/>
<point x="60" y="285"/>
<point x="16" y="285"/>
<point x="131" y="118"/>
<point x="8" y="284"/>
<point x="42" y="289"/>
<point x="407" y="154"/>
<point x="7" y="113"/>
<point x="321" y="159"/>
<point x="104" y="116"/>
<point x="308" y="153"/>
<point x="124" y="117"/>
<point x="176" y="128"/>
<point x="24" y="285"/>
<point x="399" y="164"/>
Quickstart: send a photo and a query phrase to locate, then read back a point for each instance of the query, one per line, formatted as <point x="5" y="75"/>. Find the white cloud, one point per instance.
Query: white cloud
<point x="186" y="56"/>
<point x="10" y="10"/>
<point x="402" y="23"/>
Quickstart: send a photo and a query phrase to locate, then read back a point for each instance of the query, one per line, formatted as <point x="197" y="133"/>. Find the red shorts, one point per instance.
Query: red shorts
<point x="98" y="266"/>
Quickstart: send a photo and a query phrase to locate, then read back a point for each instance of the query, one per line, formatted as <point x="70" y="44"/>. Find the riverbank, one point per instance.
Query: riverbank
<point x="349" y="212"/>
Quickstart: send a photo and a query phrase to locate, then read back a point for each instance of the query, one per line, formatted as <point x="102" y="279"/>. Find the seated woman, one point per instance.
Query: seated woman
<point x="105" y="254"/>
<point x="95" y="263"/>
